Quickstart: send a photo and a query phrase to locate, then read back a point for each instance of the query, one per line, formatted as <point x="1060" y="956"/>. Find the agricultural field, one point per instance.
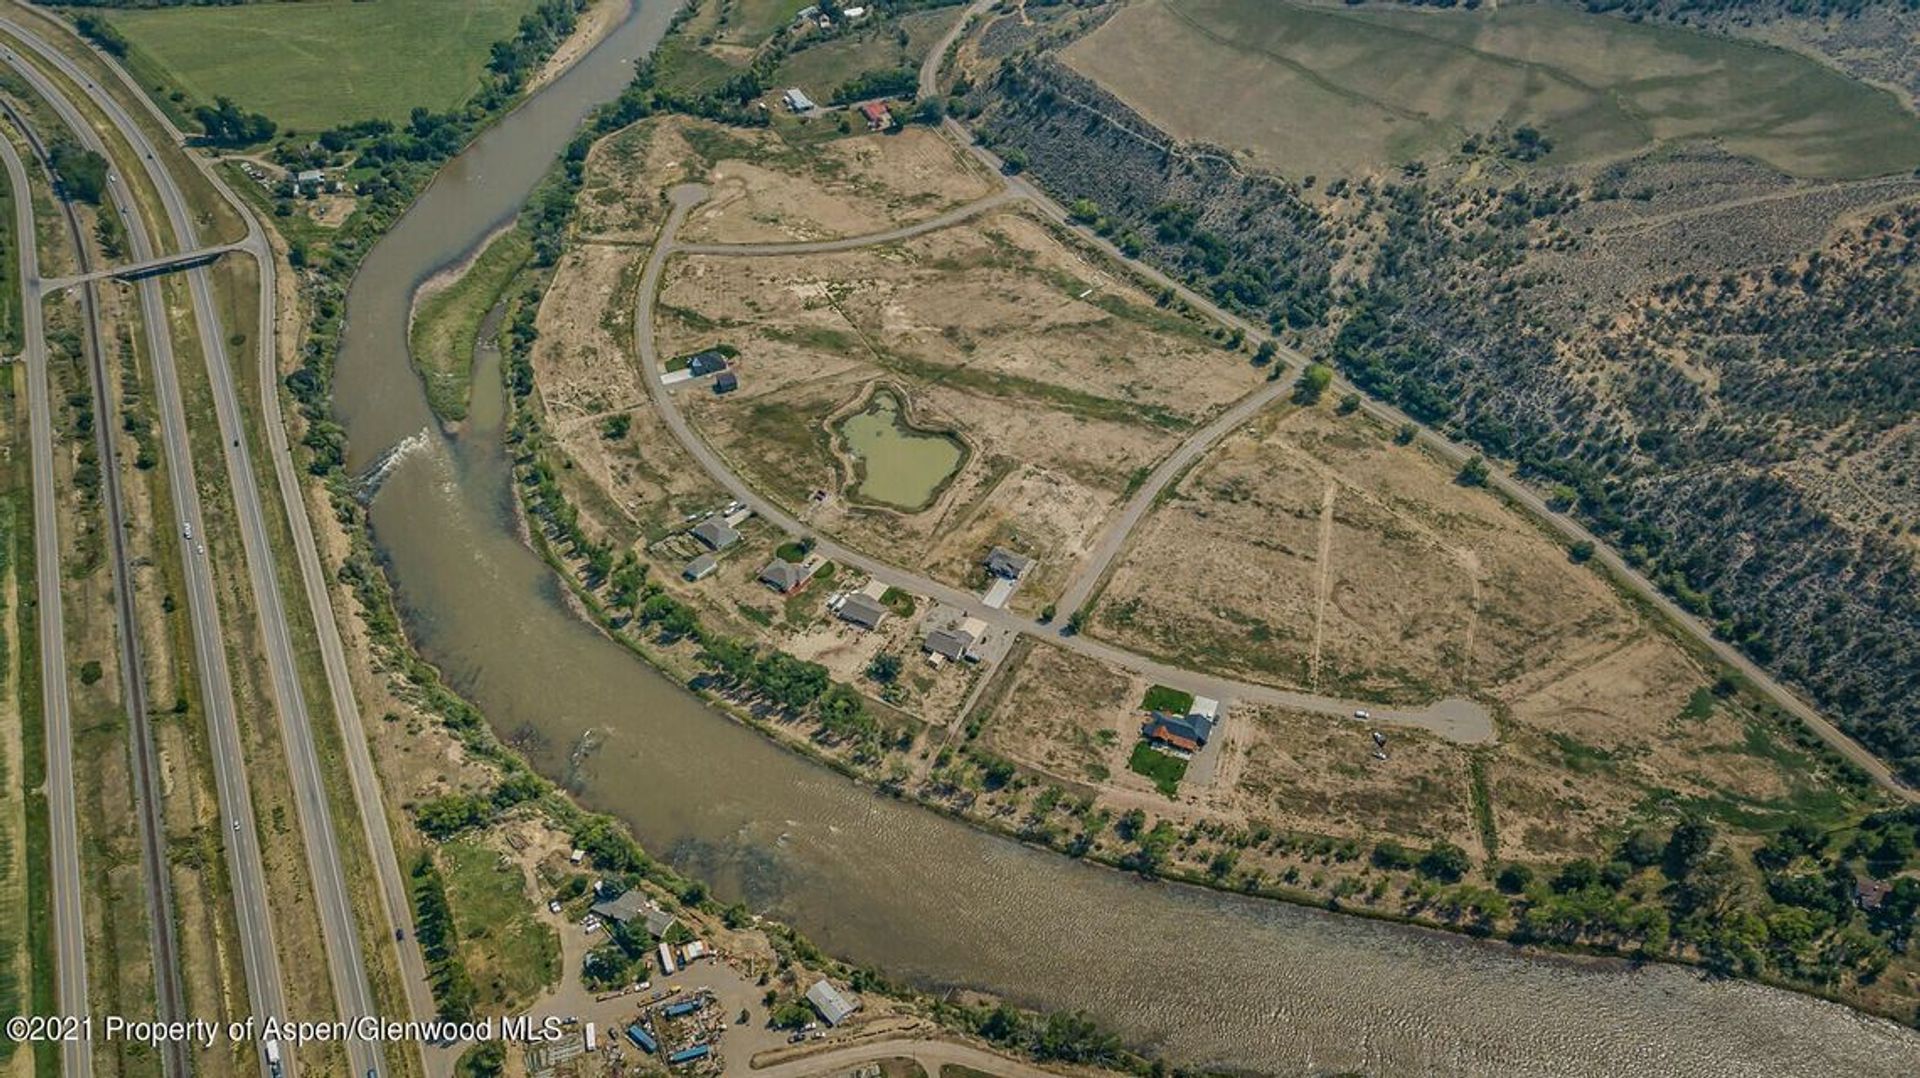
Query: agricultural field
<point x="1307" y="90"/>
<point x="1059" y="376"/>
<point x="313" y="65"/>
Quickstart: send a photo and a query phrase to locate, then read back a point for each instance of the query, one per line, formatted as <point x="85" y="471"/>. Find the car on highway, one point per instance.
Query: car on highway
<point x="186" y="529"/>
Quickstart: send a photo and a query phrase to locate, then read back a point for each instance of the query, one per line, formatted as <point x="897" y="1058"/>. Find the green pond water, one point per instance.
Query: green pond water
<point x="903" y="466"/>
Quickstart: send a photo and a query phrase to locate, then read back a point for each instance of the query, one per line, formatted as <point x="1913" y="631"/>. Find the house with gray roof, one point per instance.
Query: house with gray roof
<point x="1007" y="565"/>
<point x="862" y="610"/>
<point x="716" y="534"/>
<point x="834" y="1005"/>
<point x="949" y="643"/>
<point x="700" y="568"/>
<point x="784" y="576"/>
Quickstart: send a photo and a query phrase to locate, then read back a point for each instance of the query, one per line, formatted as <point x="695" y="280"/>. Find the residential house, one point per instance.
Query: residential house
<point x="627" y="906"/>
<point x="878" y="118"/>
<point x="700" y="568"/>
<point x="1185" y="733"/>
<point x="784" y="576"/>
<point x="948" y="643"/>
<point x="1870" y="895"/>
<point x="705" y="363"/>
<point x="862" y="610"/>
<point x="726" y="383"/>
<point x="716" y="534"/>
<point x="1007" y="565"/>
<point x="834" y="1005"/>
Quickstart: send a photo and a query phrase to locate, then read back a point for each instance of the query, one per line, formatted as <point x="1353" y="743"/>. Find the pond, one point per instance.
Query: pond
<point x="900" y="465"/>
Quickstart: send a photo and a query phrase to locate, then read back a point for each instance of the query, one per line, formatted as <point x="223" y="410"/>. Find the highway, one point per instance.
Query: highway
<point x="169" y="991"/>
<point x="69" y="914"/>
<point x="339" y="928"/>
<point x="253" y="918"/>
<point x="315" y="580"/>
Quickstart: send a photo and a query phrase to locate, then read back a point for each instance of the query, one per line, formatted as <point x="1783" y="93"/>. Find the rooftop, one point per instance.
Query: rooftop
<point x="715" y="533"/>
<point x="862" y="611"/>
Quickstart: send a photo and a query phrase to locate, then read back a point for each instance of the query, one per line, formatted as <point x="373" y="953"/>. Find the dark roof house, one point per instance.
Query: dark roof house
<point x="1007" y="565"/>
<point x="784" y="576"/>
<point x="727" y="382"/>
<point x="629" y="906"/>
<point x="863" y="611"/>
<point x="1187" y="732"/>
<point x="706" y="362"/>
<point x="949" y="643"/>
<point x="717" y="534"/>
<point x="1871" y="894"/>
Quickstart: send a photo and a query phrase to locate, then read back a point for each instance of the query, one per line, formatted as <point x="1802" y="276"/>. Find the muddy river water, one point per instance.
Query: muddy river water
<point x="1207" y="978"/>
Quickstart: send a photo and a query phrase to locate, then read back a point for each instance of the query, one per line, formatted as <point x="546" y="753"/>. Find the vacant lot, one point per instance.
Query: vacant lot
<point x="511" y="954"/>
<point x="637" y="482"/>
<point x="324" y="62"/>
<point x="1064" y="381"/>
<point x="1310" y="90"/>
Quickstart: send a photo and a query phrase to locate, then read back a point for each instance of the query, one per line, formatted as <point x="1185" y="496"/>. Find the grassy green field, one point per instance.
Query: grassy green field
<point x="313" y="65"/>
<point x="1165" y="771"/>
<point x="9" y="272"/>
<point x="1311" y="90"/>
<point x="510" y="953"/>
<point x="825" y="68"/>
<point x="442" y="337"/>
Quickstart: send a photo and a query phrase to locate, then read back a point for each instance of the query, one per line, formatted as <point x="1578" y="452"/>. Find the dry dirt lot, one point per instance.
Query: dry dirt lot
<point x="1062" y="378"/>
<point x="766" y="190"/>
<point x="597" y="409"/>
<point x="1310" y="551"/>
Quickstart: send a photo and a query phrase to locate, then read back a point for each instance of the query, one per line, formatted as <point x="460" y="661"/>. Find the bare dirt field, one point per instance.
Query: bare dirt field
<point x="596" y="406"/>
<point x="1062" y="378"/>
<point x="765" y="190"/>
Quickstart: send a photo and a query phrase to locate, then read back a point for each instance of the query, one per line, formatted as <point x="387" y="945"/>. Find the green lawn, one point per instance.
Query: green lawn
<point x="312" y="65"/>
<point x="1171" y="701"/>
<point x="1165" y="771"/>
<point x="512" y="955"/>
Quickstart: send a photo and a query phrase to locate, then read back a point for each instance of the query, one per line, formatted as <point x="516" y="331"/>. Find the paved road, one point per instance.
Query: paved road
<point x="932" y="1056"/>
<point x="1501" y="479"/>
<point x="314" y="578"/>
<point x="135" y="270"/>
<point x="247" y="875"/>
<point x="1458" y="719"/>
<point x="339" y="928"/>
<point x="169" y="990"/>
<point x="69" y="915"/>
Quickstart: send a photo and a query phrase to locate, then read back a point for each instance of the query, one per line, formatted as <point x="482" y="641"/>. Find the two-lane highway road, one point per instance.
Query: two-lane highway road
<point x="69" y="918"/>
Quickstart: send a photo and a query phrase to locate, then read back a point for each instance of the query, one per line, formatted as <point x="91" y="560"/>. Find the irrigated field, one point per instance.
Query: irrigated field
<point x="1310" y="90"/>
<point x="316" y="64"/>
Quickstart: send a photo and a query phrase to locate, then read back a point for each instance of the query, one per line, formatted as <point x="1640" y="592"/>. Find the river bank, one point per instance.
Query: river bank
<point x="931" y="901"/>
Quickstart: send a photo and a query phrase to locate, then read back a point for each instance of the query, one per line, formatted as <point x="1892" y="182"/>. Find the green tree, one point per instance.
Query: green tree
<point x="1445" y="861"/>
<point x="1312" y="383"/>
<point x="1473" y="473"/>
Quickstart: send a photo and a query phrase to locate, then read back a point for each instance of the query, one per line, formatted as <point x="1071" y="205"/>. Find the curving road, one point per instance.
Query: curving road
<point x="69" y="915"/>
<point x="1501" y="479"/>
<point x="933" y="1056"/>
<point x="1460" y="720"/>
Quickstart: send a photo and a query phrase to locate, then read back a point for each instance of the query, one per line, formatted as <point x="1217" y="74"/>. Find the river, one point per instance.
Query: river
<point x="1207" y="978"/>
